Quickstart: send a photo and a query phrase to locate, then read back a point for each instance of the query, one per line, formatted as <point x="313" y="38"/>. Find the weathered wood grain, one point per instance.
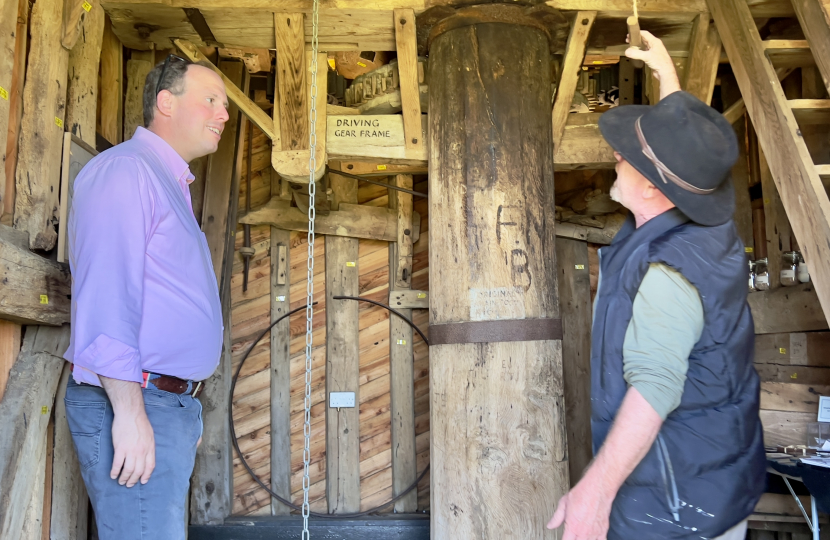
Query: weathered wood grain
<point x="37" y="178"/>
<point x="574" y="285"/>
<point x="798" y="183"/>
<point x="8" y="31"/>
<point x="138" y="67"/>
<point x="280" y="370"/>
<point x="291" y="83"/>
<point x="792" y="397"/>
<point x="797" y="349"/>
<point x="787" y="309"/>
<point x="82" y="87"/>
<point x="785" y="428"/>
<point x="352" y="220"/>
<point x="401" y="355"/>
<point x="111" y="112"/>
<point x="704" y="56"/>
<point x="571" y="71"/>
<point x="15" y="112"/>
<point x="34" y="289"/>
<point x="814" y="17"/>
<point x="740" y="180"/>
<point x="342" y="364"/>
<point x="25" y="412"/>
<point x="492" y="256"/>
<point x="70" y="503"/>
<point x="407" y="48"/>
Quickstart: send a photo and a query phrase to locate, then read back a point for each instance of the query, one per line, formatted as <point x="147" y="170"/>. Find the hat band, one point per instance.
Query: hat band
<point x="664" y="171"/>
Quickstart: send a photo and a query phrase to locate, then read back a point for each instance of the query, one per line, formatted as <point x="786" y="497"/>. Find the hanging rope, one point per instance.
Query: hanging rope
<point x="309" y="308"/>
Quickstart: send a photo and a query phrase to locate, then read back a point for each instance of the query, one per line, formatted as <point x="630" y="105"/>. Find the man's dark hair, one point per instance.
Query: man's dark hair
<point x="173" y="82"/>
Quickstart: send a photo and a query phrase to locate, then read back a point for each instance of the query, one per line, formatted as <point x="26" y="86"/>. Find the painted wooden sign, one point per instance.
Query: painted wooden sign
<point x="376" y="136"/>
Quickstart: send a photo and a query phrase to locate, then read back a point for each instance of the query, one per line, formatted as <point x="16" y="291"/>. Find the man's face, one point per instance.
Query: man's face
<point x="199" y="113"/>
<point x="629" y="185"/>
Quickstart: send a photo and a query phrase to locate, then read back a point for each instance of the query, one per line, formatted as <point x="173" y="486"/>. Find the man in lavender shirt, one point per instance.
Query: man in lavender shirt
<point x="146" y="319"/>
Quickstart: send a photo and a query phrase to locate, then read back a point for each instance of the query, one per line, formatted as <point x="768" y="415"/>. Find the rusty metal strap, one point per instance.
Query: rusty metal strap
<point x="495" y="331"/>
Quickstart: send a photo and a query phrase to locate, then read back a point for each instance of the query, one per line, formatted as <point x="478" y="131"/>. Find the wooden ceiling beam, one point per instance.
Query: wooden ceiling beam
<point x="704" y="56"/>
<point x="814" y="17"/>
<point x="571" y="70"/>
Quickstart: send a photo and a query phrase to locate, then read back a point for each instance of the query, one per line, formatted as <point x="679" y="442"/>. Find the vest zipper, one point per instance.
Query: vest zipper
<point x="665" y="465"/>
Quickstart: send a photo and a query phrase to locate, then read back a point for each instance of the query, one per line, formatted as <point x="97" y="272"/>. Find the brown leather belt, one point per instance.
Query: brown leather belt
<point x="171" y="384"/>
<point x="495" y="331"/>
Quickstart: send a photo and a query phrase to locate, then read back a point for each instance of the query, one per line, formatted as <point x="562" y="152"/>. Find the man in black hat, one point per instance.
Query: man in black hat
<point x="677" y="438"/>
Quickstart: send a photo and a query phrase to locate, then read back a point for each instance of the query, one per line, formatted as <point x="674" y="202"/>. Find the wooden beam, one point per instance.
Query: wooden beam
<point x="82" y="87"/>
<point x="787" y="309"/>
<point x="778" y="232"/>
<point x="35" y="290"/>
<point x="791" y="53"/>
<point x="24" y="416"/>
<point x="785" y="428"/>
<point x="798" y="183"/>
<point x="407" y="48"/>
<point x="575" y="310"/>
<point x="704" y="56"/>
<point x="138" y="67"/>
<point x="280" y="370"/>
<point x="407" y="299"/>
<point x="15" y="113"/>
<point x="111" y="117"/>
<point x="582" y="145"/>
<point x="571" y="70"/>
<point x="740" y="181"/>
<point x="41" y="130"/>
<point x="342" y="362"/>
<point x="814" y="16"/>
<point x="401" y="355"/>
<point x="237" y="96"/>
<point x="592" y="235"/>
<point x="74" y="16"/>
<point x="810" y="111"/>
<point x="211" y="492"/>
<point x="352" y="221"/>
<point x="291" y="92"/>
<point x="8" y="31"/>
<point x="70" y="503"/>
<point x="798" y="348"/>
<point x="220" y="175"/>
<point x="792" y="397"/>
<point x="10" y="333"/>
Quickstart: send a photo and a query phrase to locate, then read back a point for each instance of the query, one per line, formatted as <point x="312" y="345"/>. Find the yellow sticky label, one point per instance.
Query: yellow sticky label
<point x="422" y="295"/>
<point x="766" y="201"/>
<point x="579" y="267"/>
<point x="381" y="167"/>
<point x="782" y="350"/>
<point x="44" y="410"/>
<point x="331" y="63"/>
<point x="58" y="122"/>
<point x="350" y="264"/>
<point x="401" y="342"/>
<point x="794" y="376"/>
<point x="597" y="62"/>
<point x="44" y="299"/>
<point x="748" y="250"/>
<point x="361" y="64"/>
<point x="87" y="6"/>
<point x="4" y="93"/>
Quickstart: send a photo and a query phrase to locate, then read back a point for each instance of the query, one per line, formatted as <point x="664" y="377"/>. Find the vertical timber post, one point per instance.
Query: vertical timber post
<point x="498" y="449"/>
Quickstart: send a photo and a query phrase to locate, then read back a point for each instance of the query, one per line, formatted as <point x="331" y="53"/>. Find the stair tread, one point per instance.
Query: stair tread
<point x="789" y="52"/>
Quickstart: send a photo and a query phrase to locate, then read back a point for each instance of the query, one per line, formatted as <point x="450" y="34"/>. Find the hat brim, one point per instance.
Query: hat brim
<point x="618" y="128"/>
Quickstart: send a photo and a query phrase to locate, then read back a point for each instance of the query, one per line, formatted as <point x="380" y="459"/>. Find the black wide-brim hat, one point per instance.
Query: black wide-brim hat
<point x="684" y="147"/>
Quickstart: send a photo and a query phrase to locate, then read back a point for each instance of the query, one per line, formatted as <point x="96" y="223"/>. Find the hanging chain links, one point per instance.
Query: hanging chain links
<point x="309" y="309"/>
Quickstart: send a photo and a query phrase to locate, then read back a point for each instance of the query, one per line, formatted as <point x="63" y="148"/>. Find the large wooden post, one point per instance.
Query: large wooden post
<point x="498" y="448"/>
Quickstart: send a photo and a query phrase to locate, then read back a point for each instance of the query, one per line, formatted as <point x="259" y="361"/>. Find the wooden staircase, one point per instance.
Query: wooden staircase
<point x="777" y="120"/>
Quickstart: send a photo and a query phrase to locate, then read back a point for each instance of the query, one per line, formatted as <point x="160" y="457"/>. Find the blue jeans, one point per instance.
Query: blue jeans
<point x="155" y="510"/>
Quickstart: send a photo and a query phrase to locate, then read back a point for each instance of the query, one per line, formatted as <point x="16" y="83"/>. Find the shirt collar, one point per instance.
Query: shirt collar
<point x="177" y="165"/>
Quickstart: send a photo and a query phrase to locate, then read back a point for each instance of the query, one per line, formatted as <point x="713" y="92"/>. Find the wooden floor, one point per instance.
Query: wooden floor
<point x="251" y="314"/>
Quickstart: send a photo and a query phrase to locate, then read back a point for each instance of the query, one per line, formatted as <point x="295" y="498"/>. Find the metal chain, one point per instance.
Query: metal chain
<point x="309" y="309"/>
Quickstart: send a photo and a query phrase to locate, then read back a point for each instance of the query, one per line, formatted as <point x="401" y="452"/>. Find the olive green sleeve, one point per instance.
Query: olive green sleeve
<point x="666" y="323"/>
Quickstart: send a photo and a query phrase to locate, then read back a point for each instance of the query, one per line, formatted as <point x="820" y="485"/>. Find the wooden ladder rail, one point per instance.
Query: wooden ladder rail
<point x="797" y="178"/>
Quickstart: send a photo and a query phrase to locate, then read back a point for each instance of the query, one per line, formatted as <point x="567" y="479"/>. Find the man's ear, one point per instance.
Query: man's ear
<point x="165" y="103"/>
<point x="650" y="191"/>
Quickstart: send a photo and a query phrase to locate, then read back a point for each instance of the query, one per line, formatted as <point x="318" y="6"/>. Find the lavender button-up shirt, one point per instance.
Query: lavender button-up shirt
<point x="144" y="294"/>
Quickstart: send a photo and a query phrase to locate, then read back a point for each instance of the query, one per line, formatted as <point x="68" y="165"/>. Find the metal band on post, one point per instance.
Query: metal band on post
<point x="495" y="331"/>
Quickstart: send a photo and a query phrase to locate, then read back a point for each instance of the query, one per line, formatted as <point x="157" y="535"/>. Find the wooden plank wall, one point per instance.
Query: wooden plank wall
<point x="251" y="314"/>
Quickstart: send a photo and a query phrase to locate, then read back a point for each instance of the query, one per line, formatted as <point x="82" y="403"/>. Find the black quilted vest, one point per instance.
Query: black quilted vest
<point x="706" y="470"/>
